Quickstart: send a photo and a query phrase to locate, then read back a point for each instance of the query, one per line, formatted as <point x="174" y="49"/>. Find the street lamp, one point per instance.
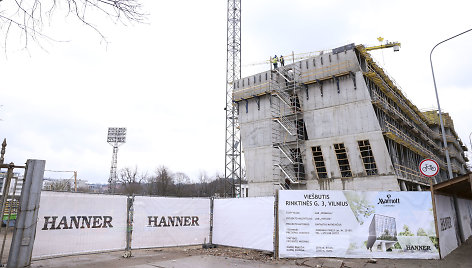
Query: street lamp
<point x="470" y="142"/>
<point x="449" y="168"/>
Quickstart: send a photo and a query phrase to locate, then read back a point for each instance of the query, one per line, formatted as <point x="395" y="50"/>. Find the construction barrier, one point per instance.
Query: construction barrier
<point x="244" y="222"/>
<point x="465" y="217"/>
<point x="356" y="224"/>
<point x="166" y="222"/>
<point x="310" y="223"/>
<point x="70" y="223"/>
<point x="448" y="228"/>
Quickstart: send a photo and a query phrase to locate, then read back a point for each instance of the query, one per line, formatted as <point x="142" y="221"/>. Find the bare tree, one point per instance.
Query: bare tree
<point x="164" y="180"/>
<point x="181" y="179"/>
<point x="130" y="181"/>
<point x="27" y="16"/>
<point x="61" y="185"/>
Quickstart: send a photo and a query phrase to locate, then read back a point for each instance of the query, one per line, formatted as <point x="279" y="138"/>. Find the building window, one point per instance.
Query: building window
<point x="319" y="162"/>
<point x="367" y="157"/>
<point x="314" y="62"/>
<point x="343" y="160"/>
<point x="254" y="79"/>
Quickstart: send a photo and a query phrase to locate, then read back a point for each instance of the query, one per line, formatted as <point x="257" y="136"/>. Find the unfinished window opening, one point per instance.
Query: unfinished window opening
<point x="266" y="76"/>
<point x="336" y="79"/>
<point x="254" y="79"/>
<point x="298" y="165"/>
<point x="306" y="63"/>
<point x="329" y="56"/>
<point x="367" y="157"/>
<point x="237" y="84"/>
<point x="260" y="78"/>
<point x="353" y="75"/>
<point x="247" y="104"/>
<point x="314" y="62"/>
<point x="258" y="101"/>
<point x="243" y="82"/>
<point x="319" y="162"/>
<point x="321" y="59"/>
<point x="248" y="81"/>
<point x="343" y="161"/>
<point x="321" y="86"/>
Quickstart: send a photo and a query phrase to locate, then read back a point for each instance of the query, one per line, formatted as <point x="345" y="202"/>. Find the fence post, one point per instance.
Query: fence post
<point x="23" y="239"/>
<point x="129" y="225"/>
<point x="276" y="223"/>
<point x="212" y="201"/>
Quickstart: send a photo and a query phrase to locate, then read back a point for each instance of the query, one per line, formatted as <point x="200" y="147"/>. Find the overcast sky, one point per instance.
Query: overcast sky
<point x="165" y="80"/>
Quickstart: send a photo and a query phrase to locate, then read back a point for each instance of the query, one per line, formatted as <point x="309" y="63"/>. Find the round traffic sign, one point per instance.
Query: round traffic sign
<point x="429" y="168"/>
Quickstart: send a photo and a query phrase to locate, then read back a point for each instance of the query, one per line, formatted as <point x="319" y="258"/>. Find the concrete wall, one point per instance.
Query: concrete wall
<point x="332" y="117"/>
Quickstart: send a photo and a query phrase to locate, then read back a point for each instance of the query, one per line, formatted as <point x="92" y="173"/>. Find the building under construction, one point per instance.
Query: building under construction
<point x="337" y="121"/>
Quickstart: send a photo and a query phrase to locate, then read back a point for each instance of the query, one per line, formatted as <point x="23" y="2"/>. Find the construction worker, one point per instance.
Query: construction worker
<point x="282" y="61"/>
<point x="274" y="61"/>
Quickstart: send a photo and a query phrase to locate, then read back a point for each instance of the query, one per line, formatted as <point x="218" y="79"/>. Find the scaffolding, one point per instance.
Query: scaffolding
<point x="407" y="131"/>
<point x="288" y="131"/>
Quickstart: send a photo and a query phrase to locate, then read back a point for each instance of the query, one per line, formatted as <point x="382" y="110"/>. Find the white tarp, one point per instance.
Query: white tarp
<point x="356" y="224"/>
<point x="447" y="224"/>
<point x="244" y="222"/>
<point x="165" y="221"/>
<point x="465" y="217"/>
<point x="71" y="223"/>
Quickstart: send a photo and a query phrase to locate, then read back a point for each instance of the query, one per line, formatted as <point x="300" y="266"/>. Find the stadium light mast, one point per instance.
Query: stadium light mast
<point x="116" y="137"/>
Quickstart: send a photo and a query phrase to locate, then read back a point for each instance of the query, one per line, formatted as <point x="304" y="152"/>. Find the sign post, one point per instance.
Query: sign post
<point x="430" y="168"/>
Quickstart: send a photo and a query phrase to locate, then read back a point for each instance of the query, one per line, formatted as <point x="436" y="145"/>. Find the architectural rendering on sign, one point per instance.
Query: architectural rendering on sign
<point x="337" y="121"/>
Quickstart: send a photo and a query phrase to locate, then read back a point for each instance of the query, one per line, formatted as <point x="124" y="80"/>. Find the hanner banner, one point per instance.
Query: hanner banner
<point x="244" y="222"/>
<point x="166" y="221"/>
<point x="356" y="224"/>
<point x="71" y="223"/>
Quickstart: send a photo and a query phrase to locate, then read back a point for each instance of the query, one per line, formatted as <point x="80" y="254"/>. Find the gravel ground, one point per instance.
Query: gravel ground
<point x="238" y="257"/>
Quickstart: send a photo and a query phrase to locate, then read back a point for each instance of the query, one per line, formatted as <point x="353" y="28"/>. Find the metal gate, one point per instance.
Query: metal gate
<point x="19" y="203"/>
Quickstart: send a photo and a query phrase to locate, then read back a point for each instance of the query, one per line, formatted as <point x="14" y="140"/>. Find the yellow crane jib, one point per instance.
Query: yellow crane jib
<point x="396" y="46"/>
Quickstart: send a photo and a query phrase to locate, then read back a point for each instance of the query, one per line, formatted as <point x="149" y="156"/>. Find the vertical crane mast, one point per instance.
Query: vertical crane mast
<point x="233" y="72"/>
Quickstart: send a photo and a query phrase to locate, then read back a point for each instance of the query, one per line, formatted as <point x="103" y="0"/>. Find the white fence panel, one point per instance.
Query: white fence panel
<point x="447" y="224"/>
<point x="71" y="223"/>
<point x="244" y="222"/>
<point x="165" y="221"/>
<point x="465" y="217"/>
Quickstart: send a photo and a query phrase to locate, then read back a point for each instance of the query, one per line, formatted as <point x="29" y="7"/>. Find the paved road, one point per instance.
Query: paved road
<point x="180" y="258"/>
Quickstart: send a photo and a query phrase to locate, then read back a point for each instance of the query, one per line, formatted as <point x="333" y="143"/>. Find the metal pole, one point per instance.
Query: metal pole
<point x="2" y="152"/>
<point x="75" y="181"/>
<point x="470" y="142"/>
<point x="23" y="238"/>
<point x="449" y="168"/>
<point x="435" y="215"/>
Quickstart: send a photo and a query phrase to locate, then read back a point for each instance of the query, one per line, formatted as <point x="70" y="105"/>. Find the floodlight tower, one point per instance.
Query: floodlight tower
<point x="116" y="137"/>
<point x="233" y="72"/>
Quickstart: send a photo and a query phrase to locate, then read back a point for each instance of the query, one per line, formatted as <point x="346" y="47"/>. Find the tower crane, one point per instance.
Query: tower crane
<point x="233" y="169"/>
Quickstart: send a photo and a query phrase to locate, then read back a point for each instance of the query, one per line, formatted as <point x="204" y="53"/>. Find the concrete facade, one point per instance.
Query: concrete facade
<point x="340" y="105"/>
